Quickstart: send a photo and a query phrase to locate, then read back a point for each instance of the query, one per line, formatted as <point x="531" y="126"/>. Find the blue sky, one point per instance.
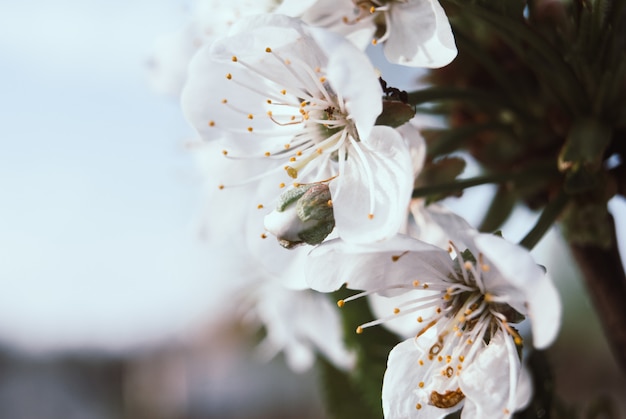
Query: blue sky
<point x="99" y="201"/>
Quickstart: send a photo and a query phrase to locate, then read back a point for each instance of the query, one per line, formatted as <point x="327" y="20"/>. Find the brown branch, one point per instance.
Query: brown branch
<point x="606" y="282"/>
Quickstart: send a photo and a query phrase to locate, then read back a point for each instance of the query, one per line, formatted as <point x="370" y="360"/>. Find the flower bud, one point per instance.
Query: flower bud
<point x="304" y="215"/>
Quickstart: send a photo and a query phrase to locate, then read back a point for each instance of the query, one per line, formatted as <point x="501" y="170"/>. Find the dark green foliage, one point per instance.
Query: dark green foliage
<point x="357" y="394"/>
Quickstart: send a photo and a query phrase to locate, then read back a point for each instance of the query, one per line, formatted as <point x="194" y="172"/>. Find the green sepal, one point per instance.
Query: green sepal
<point x="290" y="196"/>
<point x="316" y="235"/>
<point x="313" y="203"/>
<point x="395" y="113"/>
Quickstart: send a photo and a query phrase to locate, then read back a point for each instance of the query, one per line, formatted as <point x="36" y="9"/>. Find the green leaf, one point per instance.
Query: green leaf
<point x="499" y="210"/>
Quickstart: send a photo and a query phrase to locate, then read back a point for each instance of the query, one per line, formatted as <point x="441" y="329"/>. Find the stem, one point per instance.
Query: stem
<point x="530" y="175"/>
<point x="452" y="139"/>
<point x="546" y="220"/>
<point x="477" y="97"/>
<point x="606" y="281"/>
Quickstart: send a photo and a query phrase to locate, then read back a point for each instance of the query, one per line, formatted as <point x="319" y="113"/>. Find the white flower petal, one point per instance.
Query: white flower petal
<point x="375" y="266"/>
<point x="513" y="272"/>
<point x="524" y="389"/>
<point x="352" y="76"/>
<point x="417" y="145"/>
<point x="544" y="310"/>
<point x="487" y="380"/>
<point x="530" y="289"/>
<point x="420" y="35"/>
<point x="401" y="380"/>
<point x="295" y="7"/>
<point x="377" y="180"/>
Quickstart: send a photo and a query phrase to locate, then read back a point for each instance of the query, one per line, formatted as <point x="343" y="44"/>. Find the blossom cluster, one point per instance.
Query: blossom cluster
<point x="294" y="135"/>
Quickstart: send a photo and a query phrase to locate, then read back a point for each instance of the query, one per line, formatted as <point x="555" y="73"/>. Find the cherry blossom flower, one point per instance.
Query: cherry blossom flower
<point x="465" y="300"/>
<point x="414" y="32"/>
<point x="301" y="103"/>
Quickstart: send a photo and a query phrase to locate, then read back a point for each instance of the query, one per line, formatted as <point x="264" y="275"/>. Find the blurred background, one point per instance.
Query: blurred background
<point x="108" y="306"/>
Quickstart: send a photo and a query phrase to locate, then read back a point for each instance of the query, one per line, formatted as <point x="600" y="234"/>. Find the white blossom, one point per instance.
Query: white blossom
<point x="414" y="32"/>
<point x="465" y="300"/>
<point x="301" y="103"/>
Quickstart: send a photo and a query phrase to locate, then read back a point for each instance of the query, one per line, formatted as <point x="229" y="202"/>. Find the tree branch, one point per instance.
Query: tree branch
<point x="606" y="282"/>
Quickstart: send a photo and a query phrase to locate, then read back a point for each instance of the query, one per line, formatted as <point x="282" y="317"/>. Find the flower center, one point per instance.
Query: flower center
<point x="463" y="315"/>
<point x="308" y="120"/>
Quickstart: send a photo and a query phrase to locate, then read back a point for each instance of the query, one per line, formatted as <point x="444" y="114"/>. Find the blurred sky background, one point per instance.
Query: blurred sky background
<point x="98" y="196"/>
<point x="99" y="201"/>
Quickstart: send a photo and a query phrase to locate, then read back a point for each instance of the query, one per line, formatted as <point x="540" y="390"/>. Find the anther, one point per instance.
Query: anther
<point x="225" y="152"/>
<point x="396" y="258"/>
<point x="329" y="203"/>
<point x="418" y="406"/>
<point x="421" y="384"/>
<point x="260" y="206"/>
<point x="263" y="236"/>
<point x="283" y="92"/>
<point x="370" y="216"/>
<point x="267" y="154"/>
<point x="221" y="187"/>
<point x="416" y="283"/>
<point x="229" y="76"/>
<point x="359" y="330"/>
<point x="250" y="116"/>
<point x="396" y="310"/>
<point x="268" y="49"/>
<point x="291" y="172"/>
<point x="340" y="303"/>
<point x="211" y="123"/>
<point x="250" y="129"/>
<point x="468" y="265"/>
<point x="224" y="101"/>
<point x="281" y="185"/>
<point x="420" y="319"/>
<point x="234" y="59"/>
<point x="485" y="267"/>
